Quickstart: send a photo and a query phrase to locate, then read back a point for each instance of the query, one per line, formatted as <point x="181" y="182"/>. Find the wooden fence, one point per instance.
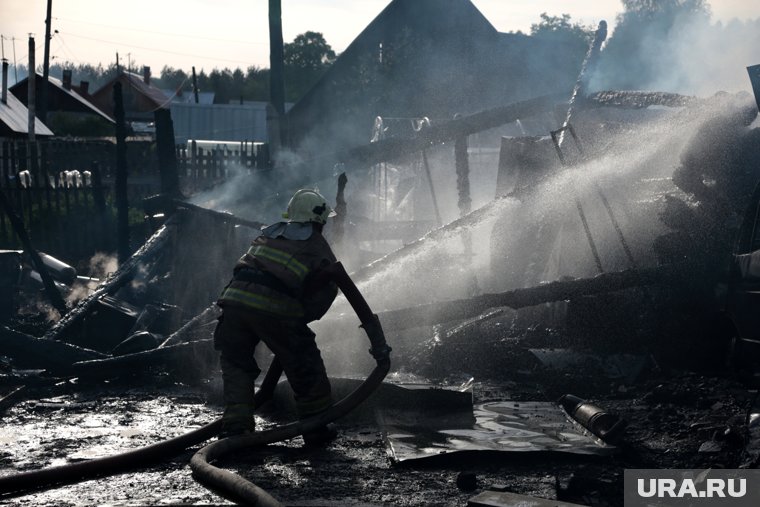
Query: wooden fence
<point x="63" y="189"/>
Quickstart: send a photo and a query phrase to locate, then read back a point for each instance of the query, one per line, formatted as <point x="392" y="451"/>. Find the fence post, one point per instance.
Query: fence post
<point x="47" y="281"/>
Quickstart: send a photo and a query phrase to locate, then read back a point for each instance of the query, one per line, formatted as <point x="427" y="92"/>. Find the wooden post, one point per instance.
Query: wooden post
<point x="195" y="85"/>
<point x="45" y="65"/>
<point x="31" y="90"/>
<point x="167" y="157"/>
<point x="96" y="184"/>
<point x="276" y="64"/>
<point x="47" y="281"/>
<point x="120" y="190"/>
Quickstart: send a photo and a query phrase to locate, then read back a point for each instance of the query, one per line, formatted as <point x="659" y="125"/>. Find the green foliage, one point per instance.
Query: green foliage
<point x="561" y="27"/>
<point x="306" y="59"/>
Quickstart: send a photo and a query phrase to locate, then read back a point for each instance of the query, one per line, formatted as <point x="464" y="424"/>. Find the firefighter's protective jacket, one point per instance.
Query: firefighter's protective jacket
<point x="273" y="276"/>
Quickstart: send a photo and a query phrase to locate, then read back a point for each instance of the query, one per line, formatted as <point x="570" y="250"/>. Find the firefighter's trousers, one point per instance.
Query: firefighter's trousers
<point x="238" y="332"/>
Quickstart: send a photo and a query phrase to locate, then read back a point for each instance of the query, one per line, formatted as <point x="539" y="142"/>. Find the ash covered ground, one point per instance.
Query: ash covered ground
<point x="677" y="419"/>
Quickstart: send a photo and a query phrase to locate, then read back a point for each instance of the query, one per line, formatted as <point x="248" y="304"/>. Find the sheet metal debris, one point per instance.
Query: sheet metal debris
<point x="505" y="499"/>
<point x="505" y="426"/>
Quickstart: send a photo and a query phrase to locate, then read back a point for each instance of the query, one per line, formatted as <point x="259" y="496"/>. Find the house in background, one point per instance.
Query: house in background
<point x="426" y="58"/>
<point x="69" y="110"/>
<point x="14" y="116"/>
<point x="141" y="98"/>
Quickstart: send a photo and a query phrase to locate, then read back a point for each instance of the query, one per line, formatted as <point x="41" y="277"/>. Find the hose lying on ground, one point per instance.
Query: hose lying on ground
<point x="238" y="489"/>
<point x="18" y="484"/>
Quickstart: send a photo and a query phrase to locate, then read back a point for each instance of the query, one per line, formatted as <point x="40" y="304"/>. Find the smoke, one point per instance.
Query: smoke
<point x="101" y="265"/>
<point x="678" y="49"/>
<point x="262" y="194"/>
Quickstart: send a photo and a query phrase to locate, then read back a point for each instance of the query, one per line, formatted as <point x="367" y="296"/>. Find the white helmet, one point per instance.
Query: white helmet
<point x="308" y="205"/>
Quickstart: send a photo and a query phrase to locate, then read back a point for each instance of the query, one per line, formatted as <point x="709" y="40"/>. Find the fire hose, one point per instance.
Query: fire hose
<point x="238" y="489"/>
<point x="227" y="483"/>
<point x="21" y="483"/>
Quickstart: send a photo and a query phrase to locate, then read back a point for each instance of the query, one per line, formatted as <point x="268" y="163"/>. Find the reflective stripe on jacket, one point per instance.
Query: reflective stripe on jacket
<point x="290" y="262"/>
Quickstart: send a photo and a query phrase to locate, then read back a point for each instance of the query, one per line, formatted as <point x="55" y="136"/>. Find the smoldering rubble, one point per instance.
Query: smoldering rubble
<point x="589" y="316"/>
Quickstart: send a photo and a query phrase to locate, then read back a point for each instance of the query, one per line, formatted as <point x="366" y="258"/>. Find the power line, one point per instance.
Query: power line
<point x="187" y="36"/>
<point x="158" y="50"/>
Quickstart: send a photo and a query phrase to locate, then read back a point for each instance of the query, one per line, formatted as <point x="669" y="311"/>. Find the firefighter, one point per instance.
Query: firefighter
<point x="271" y="298"/>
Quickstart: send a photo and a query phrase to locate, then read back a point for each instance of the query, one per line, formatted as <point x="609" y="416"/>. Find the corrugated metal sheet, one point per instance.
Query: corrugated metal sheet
<point x="219" y="122"/>
<point x="15" y="116"/>
<point x="188" y="97"/>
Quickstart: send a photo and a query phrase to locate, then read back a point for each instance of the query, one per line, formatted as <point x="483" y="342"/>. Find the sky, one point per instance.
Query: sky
<point x="212" y="34"/>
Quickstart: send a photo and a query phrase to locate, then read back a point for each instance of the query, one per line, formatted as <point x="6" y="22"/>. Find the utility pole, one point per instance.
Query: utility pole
<point x="46" y="65"/>
<point x="15" y="66"/>
<point x="31" y="89"/>
<point x="276" y="65"/>
<point x="195" y="85"/>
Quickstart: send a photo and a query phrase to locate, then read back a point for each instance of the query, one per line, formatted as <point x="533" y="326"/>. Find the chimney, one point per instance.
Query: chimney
<point x="5" y="81"/>
<point x="146" y="75"/>
<point x="84" y="88"/>
<point x="67" y="79"/>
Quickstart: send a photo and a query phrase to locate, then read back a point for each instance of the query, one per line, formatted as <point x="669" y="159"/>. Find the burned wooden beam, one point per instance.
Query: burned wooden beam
<point x="460" y="224"/>
<point x="33" y="352"/>
<point x="639" y="100"/>
<point x="167" y="204"/>
<point x="207" y="316"/>
<point x="394" y="148"/>
<point x="185" y="355"/>
<point x="587" y="68"/>
<point x="152" y="248"/>
<point x="519" y="298"/>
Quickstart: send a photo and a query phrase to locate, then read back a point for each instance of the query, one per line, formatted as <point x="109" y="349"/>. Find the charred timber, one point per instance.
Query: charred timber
<point x="587" y="68"/>
<point x="639" y="100"/>
<point x="181" y="335"/>
<point x="167" y="204"/>
<point x="435" y="313"/>
<point x="33" y="352"/>
<point x="394" y="148"/>
<point x="181" y="354"/>
<point x="151" y="249"/>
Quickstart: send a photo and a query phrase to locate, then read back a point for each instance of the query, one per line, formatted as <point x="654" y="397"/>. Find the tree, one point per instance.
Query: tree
<point x="174" y="79"/>
<point x="646" y="49"/>
<point x="561" y="27"/>
<point x="306" y="59"/>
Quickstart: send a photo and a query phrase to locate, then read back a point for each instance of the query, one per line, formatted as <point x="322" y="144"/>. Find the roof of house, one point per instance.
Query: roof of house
<point x="433" y="58"/>
<point x="148" y="90"/>
<point x="14" y="117"/>
<point x="154" y="97"/>
<point x="61" y="99"/>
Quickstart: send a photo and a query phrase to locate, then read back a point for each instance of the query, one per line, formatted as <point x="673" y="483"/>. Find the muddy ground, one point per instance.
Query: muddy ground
<point x="676" y="419"/>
